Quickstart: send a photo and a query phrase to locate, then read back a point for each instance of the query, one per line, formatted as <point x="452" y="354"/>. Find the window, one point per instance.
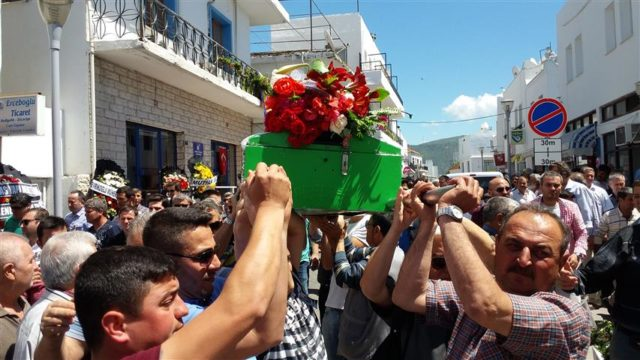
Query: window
<point x="569" y="51"/>
<point x="223" y="158"/>
<point x="609" y="140"/>
<point x="579" y="56"/>
<point x="220" y="28"/>
<point x="610" y="28"/>
<point x="149" y="150"/>
<point x="581" y="121"/>
<point x="626" y="19"/>
<point x="624" y="105"/>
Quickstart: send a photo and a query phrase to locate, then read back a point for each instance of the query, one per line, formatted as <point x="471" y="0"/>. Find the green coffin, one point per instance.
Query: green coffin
<point x="368" y="180"/>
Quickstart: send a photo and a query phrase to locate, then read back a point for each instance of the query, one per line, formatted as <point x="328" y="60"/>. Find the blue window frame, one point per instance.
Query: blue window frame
<point x="220" y="28"/>
<point x="149" y="150"/>
<point x="223" y="158"/>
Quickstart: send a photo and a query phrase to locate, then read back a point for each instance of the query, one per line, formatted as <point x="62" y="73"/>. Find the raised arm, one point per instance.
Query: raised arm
<point x="481" y="297"/>
<point x="251" y="291"/>
<point x="54" y="345"/>
<point x="374" y="279"/>
<point x="413" y="279"/>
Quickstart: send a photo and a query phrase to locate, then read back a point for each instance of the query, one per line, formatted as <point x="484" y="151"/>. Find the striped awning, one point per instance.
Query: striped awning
<point x="580" y="142"/>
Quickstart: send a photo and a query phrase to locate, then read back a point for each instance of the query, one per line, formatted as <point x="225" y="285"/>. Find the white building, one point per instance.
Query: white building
<point x="533" y="81"/>
<point x="596" y="76"/>
<point x="475" y="151"/>
<point x="344" y="39"/>
<point x="143" y="86"/>
<point x="599" y="57"/>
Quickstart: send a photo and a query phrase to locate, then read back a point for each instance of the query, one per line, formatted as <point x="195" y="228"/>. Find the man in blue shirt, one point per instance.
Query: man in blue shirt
<point x="76" y="219"/>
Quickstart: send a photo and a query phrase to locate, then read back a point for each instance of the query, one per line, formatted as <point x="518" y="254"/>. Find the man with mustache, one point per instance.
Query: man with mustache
<point x="513" y="314"/>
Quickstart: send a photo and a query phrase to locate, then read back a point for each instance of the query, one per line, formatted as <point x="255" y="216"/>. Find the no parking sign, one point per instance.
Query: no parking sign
<point x="547" y="117"/>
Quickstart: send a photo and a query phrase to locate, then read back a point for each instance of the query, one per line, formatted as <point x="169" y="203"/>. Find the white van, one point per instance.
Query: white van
<point x="483" y="177"/>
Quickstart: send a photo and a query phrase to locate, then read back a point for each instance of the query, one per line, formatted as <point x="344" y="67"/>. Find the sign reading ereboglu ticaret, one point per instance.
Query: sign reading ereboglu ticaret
<point x="19" y="115"/>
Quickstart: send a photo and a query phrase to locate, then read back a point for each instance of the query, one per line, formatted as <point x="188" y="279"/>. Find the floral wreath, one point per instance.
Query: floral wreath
<point x="203" y="178"/>
<point x="8" y="179"/>
<point x="112" y="179"/>
<point x="328" y="99"/>
<point x="176" y="178"/>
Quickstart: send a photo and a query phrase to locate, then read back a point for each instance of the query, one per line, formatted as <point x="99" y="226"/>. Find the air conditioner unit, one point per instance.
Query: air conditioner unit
<point x="629" y="133"/>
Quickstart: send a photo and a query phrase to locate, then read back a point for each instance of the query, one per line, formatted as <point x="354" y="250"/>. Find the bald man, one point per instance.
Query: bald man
<point x="17" y="263"/>
<point x="498" y="186"/>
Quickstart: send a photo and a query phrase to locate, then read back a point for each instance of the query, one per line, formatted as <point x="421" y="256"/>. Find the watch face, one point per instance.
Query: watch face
<point x="457" y="213"/>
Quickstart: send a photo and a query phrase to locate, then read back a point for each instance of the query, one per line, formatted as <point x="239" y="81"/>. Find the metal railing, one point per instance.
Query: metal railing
<point x="378" y="62"/>
<point x="151" y="20"/>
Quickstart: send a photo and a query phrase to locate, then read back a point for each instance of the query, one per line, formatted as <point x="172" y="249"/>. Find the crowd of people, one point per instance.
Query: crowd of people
<point x="502" y="272"/>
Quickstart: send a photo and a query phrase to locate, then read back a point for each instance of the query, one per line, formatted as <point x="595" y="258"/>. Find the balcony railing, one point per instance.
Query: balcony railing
<point x="378" y="62"/>
<point x="150" y="20"/>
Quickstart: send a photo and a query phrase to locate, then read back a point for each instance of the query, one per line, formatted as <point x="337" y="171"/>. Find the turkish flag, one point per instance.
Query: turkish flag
<point x="222" y="160"/>
<point x="499" y="159"/>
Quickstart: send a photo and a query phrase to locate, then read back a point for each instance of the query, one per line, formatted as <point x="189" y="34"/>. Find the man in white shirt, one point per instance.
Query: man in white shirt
<point x="522" y="194"/>
<point x="613" y="220"/>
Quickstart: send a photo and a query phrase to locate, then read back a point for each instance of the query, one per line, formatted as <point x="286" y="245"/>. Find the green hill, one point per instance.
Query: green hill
<point x="443" y="152"/>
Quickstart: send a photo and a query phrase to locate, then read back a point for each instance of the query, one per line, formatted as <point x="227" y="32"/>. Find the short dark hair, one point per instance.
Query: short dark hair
<point x="538" y="209"/>
<point x="80" y="194"/>
<point x="155" y="197"/>
<point x="382" y="221"/>
<point x="116" y="278"/>
<point x="48" y="223"/>
<point x="20" y="200"/>
<point x="127" y="208"/>
<point x="40" y="213"/>
<point x="164" y="230"/>
<point x="123" y="189"/>
<point x="624" y="192"/>
<point x="207" y="205"/>
<point x="550" y="174"/>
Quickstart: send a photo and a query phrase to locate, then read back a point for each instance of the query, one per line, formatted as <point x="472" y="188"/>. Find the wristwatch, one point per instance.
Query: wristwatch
<point x="451" y="211"/>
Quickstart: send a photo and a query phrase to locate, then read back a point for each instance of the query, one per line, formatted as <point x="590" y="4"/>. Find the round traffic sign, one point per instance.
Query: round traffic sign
<point x="547" y="117"/>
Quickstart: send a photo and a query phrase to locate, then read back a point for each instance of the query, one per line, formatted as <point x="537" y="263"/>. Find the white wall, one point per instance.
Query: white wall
<point x="26" y="69"/>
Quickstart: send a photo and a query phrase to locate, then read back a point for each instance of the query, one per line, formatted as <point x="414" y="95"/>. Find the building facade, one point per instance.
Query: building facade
<point x="148" y="86"/>
<point x="596" y="76"/>
<point x="475" y="151"/>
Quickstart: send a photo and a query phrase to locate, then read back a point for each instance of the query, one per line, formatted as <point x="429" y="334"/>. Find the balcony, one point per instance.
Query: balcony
<point x="379" y="73"/>
<point x="148" y="37"/>
<point x="264" y="12"/>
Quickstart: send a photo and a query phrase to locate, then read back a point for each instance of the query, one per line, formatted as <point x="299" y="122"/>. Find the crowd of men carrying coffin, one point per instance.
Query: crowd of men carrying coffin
<point x="499" y="274"/>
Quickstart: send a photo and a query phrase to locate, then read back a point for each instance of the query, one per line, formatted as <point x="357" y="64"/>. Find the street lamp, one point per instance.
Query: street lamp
<point x="55" y="13"/>
<point x="507" y="105"/>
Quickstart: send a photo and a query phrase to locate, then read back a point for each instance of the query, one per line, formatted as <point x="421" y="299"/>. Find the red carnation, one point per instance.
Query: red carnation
<point x="298" y="127"/>
<point x="287" y="86"/>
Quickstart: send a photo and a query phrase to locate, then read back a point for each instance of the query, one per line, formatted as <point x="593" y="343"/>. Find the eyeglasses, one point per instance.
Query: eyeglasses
<point x="181" y="205"/>
<point x="502" y="189"/>
<point x="26" y="222"/>
<point x="215" y="225"/>
<point x="438" y="263"/>
<point x="203" y="257"/>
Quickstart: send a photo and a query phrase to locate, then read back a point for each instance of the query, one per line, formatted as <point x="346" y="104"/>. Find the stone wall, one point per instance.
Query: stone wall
<point x="125" y="96"/>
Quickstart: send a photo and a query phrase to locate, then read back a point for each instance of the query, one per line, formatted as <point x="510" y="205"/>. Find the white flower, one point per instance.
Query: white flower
<point x="339" y="125"/>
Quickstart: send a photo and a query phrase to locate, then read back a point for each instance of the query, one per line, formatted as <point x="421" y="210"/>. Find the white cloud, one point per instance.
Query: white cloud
<point x="467" y="107"/>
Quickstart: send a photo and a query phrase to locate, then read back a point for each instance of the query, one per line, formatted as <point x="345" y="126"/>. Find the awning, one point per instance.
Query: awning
<point x="580" y="142"/>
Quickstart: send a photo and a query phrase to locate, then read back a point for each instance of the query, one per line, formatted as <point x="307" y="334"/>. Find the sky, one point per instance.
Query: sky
<point x="451" y="57"/>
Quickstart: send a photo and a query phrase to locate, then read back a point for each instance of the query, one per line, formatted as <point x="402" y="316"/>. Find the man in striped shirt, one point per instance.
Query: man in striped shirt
<point x="615" y="219"/>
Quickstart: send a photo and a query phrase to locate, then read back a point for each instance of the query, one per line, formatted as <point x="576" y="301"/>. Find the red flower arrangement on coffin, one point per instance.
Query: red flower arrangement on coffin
<point x="328" y="99"/>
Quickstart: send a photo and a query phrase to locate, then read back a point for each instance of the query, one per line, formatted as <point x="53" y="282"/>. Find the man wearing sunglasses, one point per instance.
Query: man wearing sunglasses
<point x="498" y="186"/>
<point x="185" y="235"/>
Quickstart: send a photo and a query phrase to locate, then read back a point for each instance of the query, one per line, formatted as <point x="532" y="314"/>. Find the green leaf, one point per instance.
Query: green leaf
<point x="319" y="66"/>
<point x="380" y="94"/>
